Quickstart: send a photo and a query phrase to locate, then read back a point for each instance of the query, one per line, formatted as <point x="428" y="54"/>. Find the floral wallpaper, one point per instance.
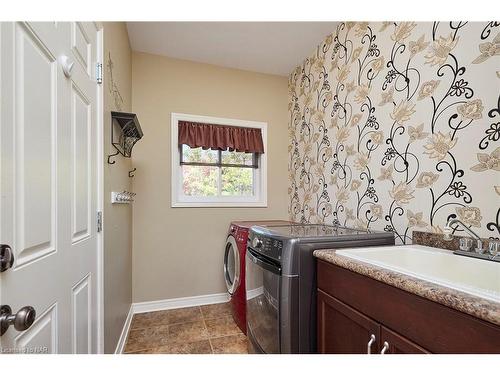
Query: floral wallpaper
<point x="396" y="126"/>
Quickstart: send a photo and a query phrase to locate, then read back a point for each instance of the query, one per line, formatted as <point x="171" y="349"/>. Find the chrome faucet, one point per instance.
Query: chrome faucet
<point x="494" y="250"/>
<point x="464" y="244"/>
<point x="492" y="253"/>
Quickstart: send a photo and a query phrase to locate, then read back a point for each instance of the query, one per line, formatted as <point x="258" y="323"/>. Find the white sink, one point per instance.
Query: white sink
<point x="473" y="276"/>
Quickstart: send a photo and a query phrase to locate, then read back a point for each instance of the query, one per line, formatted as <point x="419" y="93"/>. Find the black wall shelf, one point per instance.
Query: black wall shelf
<point x="125" y="132"/>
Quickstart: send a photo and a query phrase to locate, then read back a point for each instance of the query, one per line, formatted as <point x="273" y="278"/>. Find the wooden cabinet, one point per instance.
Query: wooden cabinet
<point x="343" y="330"/>
<point x="397" y="344"/>
<point x="352" y="307"/>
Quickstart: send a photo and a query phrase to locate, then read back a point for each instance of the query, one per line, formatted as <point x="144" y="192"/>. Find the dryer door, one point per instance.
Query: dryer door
<point x="231" y="265"/>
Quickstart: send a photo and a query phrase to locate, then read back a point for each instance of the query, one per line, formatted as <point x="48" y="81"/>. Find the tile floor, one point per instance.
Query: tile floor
<point x="191" y="330"/>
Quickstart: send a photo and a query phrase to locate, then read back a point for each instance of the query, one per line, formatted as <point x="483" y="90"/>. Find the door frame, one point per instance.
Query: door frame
<point x="100" y="193"/>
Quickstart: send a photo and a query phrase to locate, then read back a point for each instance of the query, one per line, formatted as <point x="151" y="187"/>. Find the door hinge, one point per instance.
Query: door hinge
<point x="98" y="73"/>
<point x="99" y="221"/>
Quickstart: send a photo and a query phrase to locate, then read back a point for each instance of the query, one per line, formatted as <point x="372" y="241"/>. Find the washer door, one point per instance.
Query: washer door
<point x="231" y="265"/>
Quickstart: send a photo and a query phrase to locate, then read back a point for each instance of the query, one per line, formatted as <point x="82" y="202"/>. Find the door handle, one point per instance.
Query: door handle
<point x="67" y="66"/>
<point x="21" y="321"/>
<point x="385" y="348"/>
<point x="6" y="258"/>
<point x="257" y="259"/>
<point x="370" y="343"/>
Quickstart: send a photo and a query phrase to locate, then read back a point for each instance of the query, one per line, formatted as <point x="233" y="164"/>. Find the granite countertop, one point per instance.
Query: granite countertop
<point x="481" y="308"/>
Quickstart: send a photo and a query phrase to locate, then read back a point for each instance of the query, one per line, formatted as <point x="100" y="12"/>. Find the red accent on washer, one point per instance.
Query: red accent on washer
<point x="239" y="230"/>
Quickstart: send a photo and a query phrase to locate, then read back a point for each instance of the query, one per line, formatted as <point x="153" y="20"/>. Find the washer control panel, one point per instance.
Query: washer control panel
<point x="267" y="246"/>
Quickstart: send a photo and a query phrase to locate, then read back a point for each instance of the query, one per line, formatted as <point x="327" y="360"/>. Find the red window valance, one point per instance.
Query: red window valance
<point x="219" y="137"/>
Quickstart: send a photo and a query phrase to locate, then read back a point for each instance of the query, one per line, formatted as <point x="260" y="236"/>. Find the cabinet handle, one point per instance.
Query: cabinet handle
<point x="370" y="343"/>
<point x="384" y="349"/>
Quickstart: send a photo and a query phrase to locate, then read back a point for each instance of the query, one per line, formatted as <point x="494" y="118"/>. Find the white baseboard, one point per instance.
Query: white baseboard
<point x="126" y="328"/>
<point x="175" y="303"/>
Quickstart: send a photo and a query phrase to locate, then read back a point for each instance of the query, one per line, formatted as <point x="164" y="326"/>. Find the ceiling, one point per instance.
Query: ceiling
<point x="265" y="47"/>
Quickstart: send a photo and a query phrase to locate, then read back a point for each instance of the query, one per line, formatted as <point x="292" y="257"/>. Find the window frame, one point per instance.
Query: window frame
<point x="259" y="199"/>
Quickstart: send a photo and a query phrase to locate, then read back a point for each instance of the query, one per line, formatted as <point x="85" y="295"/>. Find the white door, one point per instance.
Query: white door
<point x="48" y="184"/>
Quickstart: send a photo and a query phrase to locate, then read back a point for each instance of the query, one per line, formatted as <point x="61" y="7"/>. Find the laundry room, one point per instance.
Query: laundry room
<point x="251" y="187"/>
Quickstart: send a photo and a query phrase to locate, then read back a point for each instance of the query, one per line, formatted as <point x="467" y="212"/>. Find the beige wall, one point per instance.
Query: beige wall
<point x="177" y="252"/>
<point x="401" y="132"/>
<point x="117" y="218"/>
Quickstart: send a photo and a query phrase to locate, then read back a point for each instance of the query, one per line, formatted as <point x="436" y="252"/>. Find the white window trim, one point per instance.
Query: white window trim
<point x="260" y="198"/>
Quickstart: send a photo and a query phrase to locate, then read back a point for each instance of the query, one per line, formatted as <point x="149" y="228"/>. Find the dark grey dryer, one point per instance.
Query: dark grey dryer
<point x="281" y="282"/>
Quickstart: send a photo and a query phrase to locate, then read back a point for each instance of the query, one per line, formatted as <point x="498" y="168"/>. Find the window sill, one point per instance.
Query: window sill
<point x="217" y="204"/>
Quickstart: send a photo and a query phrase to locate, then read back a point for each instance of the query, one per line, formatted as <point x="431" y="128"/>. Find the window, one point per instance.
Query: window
<point x="209" y="173"/>
<point x="216" y="177"/>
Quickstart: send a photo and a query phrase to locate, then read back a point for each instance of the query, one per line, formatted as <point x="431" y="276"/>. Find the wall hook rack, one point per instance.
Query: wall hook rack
<point x="123" y="197"/>
<point x="131" y="173"/>
<point x="110" y="156"/>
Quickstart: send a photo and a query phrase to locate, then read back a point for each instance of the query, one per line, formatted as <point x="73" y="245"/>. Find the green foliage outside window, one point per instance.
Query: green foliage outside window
<point x="203" y="180"/>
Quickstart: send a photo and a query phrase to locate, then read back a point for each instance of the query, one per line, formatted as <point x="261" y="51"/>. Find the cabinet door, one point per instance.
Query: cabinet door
<point x="343" y="330"/>
<point x="397" y="344"/>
